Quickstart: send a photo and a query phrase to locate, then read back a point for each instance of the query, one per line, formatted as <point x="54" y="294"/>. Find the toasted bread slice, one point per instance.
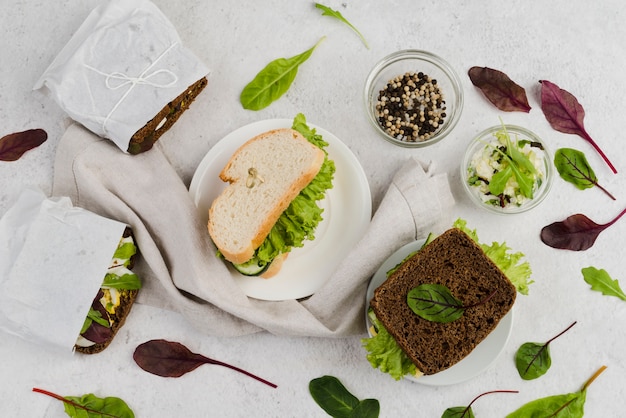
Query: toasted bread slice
<point x="265" y="175"/>
<point x="457" y="262"/>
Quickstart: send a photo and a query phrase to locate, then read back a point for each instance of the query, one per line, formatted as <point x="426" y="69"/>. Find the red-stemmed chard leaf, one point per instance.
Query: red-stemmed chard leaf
<point x="13" y="146"/>
<point x="566" y="115"/>
<point x="499" y="89"/>
<point x="576" y="233"/>
<point x="172" y="359"/>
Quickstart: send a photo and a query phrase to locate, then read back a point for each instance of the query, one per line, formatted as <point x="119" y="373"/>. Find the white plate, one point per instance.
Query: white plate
<point x="477" y="361"/>
<point x="347" y="213"/>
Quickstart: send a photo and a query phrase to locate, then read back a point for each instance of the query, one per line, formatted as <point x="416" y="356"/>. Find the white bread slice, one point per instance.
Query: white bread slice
<point x="283" y="163"/>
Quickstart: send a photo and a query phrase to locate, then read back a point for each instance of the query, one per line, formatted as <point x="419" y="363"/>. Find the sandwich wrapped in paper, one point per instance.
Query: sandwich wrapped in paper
<point x="65" y="274"/>
<point x="125" y="74"/>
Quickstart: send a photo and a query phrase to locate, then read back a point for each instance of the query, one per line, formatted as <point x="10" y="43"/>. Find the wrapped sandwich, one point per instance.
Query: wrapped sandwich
<point x="66" y="279"/>
<point x="271" y="202"/>
<point x="404" y="340"/>
<point x="125" y="74"/>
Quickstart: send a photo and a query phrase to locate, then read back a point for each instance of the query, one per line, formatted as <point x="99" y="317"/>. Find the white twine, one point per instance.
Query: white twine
<point x="131" y="82"/>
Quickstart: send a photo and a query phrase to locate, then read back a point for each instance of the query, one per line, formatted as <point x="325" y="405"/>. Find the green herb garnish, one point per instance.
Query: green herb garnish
<point x="327" y="11"/>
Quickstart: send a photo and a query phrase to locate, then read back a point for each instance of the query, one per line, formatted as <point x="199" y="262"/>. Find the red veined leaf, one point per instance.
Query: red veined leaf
<point x="14" y="145"/>
<point x="576" y="233"/>
<point x="172" y="359"/>
<point x="499" y="89"/>
<point x="566" y="115"/>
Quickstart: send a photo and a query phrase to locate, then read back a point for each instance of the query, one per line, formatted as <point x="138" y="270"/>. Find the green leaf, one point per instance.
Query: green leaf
<point x="435" y="302"/>
<point x="273" y="81"/>
<point x="90" y="406"/>
<point x="532" y="360"/>
<point x="327" y="11"/>
<point x="573" y="167"/>
<point x="127" y="281"/>
<point x="333" y="397"/>
<point x="570" y="405"/>
<point x="384" y="353"/>
<point x="499" y="180"/>
<point x="600" y="281"/>
<point x="125" y="252"/>
<point x="367" y="408"/>
<point x="458" y="412"/>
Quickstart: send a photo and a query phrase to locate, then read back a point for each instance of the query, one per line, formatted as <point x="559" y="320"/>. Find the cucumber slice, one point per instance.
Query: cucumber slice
<point x="252" y="267"/>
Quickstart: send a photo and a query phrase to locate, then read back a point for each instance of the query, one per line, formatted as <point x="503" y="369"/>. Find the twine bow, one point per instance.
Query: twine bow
<point x="142" y="79"/>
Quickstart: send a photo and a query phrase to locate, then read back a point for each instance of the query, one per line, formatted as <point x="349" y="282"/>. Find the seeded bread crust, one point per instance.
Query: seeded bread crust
<point x="241" y="217"/>
<point x="145" y="137"/>
<point x="457" y="262"/>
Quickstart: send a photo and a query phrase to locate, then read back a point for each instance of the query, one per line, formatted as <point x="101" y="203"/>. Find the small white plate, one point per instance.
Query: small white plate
<point x="477" y="361"/>
<point x="347" y="213"/>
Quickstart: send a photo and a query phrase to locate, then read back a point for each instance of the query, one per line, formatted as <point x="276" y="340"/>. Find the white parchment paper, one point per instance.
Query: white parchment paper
<point x="53" y="258"/>
<point x="122" y="66"/>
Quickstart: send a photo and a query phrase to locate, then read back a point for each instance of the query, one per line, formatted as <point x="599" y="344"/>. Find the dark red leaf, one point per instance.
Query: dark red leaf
<point x="14" y="145"/>
<point x="576" y="233"/>
<point x="566" y="115"/>
<point x="172" y="359"/>
<point x="499" y="89"/>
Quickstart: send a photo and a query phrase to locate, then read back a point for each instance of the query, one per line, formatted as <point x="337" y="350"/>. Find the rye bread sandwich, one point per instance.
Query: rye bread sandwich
<point x="114" y="300"/>
<point x="405" y="343"/>
<point x="270" y="205"/>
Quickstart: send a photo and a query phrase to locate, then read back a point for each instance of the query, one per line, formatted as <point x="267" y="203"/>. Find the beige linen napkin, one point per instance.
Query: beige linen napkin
<point x="178" y="263"/>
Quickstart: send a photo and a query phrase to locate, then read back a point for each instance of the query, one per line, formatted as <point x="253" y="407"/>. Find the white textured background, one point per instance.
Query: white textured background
<point x="579" y="45"/>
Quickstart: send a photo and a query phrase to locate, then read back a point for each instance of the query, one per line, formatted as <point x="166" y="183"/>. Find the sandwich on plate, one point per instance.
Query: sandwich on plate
<point x="114" y="300"/>
<point x="271" y="202"/>
<point x="436" y="307"/>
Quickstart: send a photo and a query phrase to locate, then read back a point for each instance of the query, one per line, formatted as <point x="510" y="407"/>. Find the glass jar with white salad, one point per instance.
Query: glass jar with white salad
<point x="507" y="169"/>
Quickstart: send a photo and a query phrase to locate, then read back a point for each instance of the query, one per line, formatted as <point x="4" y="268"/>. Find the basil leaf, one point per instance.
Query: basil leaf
<point x="600" y="281"/>
<point x="327" y="11"/>
<point x="458" y="412"/>
<point x="532" y="360"/>
<point x="573" y="167"/>
<point x="273" y="81"/>
<point x="333" y="397"/>
<point x="90" y="406"/>
<point x="434" y="302"/>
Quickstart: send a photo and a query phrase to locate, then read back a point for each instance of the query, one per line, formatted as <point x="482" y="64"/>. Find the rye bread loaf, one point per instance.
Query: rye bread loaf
<point x="453" y="260"/>
<point x="265" y="174"/>
<point x="145" y="137"/>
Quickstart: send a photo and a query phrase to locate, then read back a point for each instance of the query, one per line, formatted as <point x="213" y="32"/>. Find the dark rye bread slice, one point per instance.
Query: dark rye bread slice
<point x="145" y="137"/>
<point x="127" y="299"/>
<point x="457" y="262"/>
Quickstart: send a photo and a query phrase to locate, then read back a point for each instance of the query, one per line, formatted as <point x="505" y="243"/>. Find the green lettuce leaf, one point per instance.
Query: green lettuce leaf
<point x="385" y="354"/>
<point x="298" y="222"/>
<point x="509" y="262"/>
